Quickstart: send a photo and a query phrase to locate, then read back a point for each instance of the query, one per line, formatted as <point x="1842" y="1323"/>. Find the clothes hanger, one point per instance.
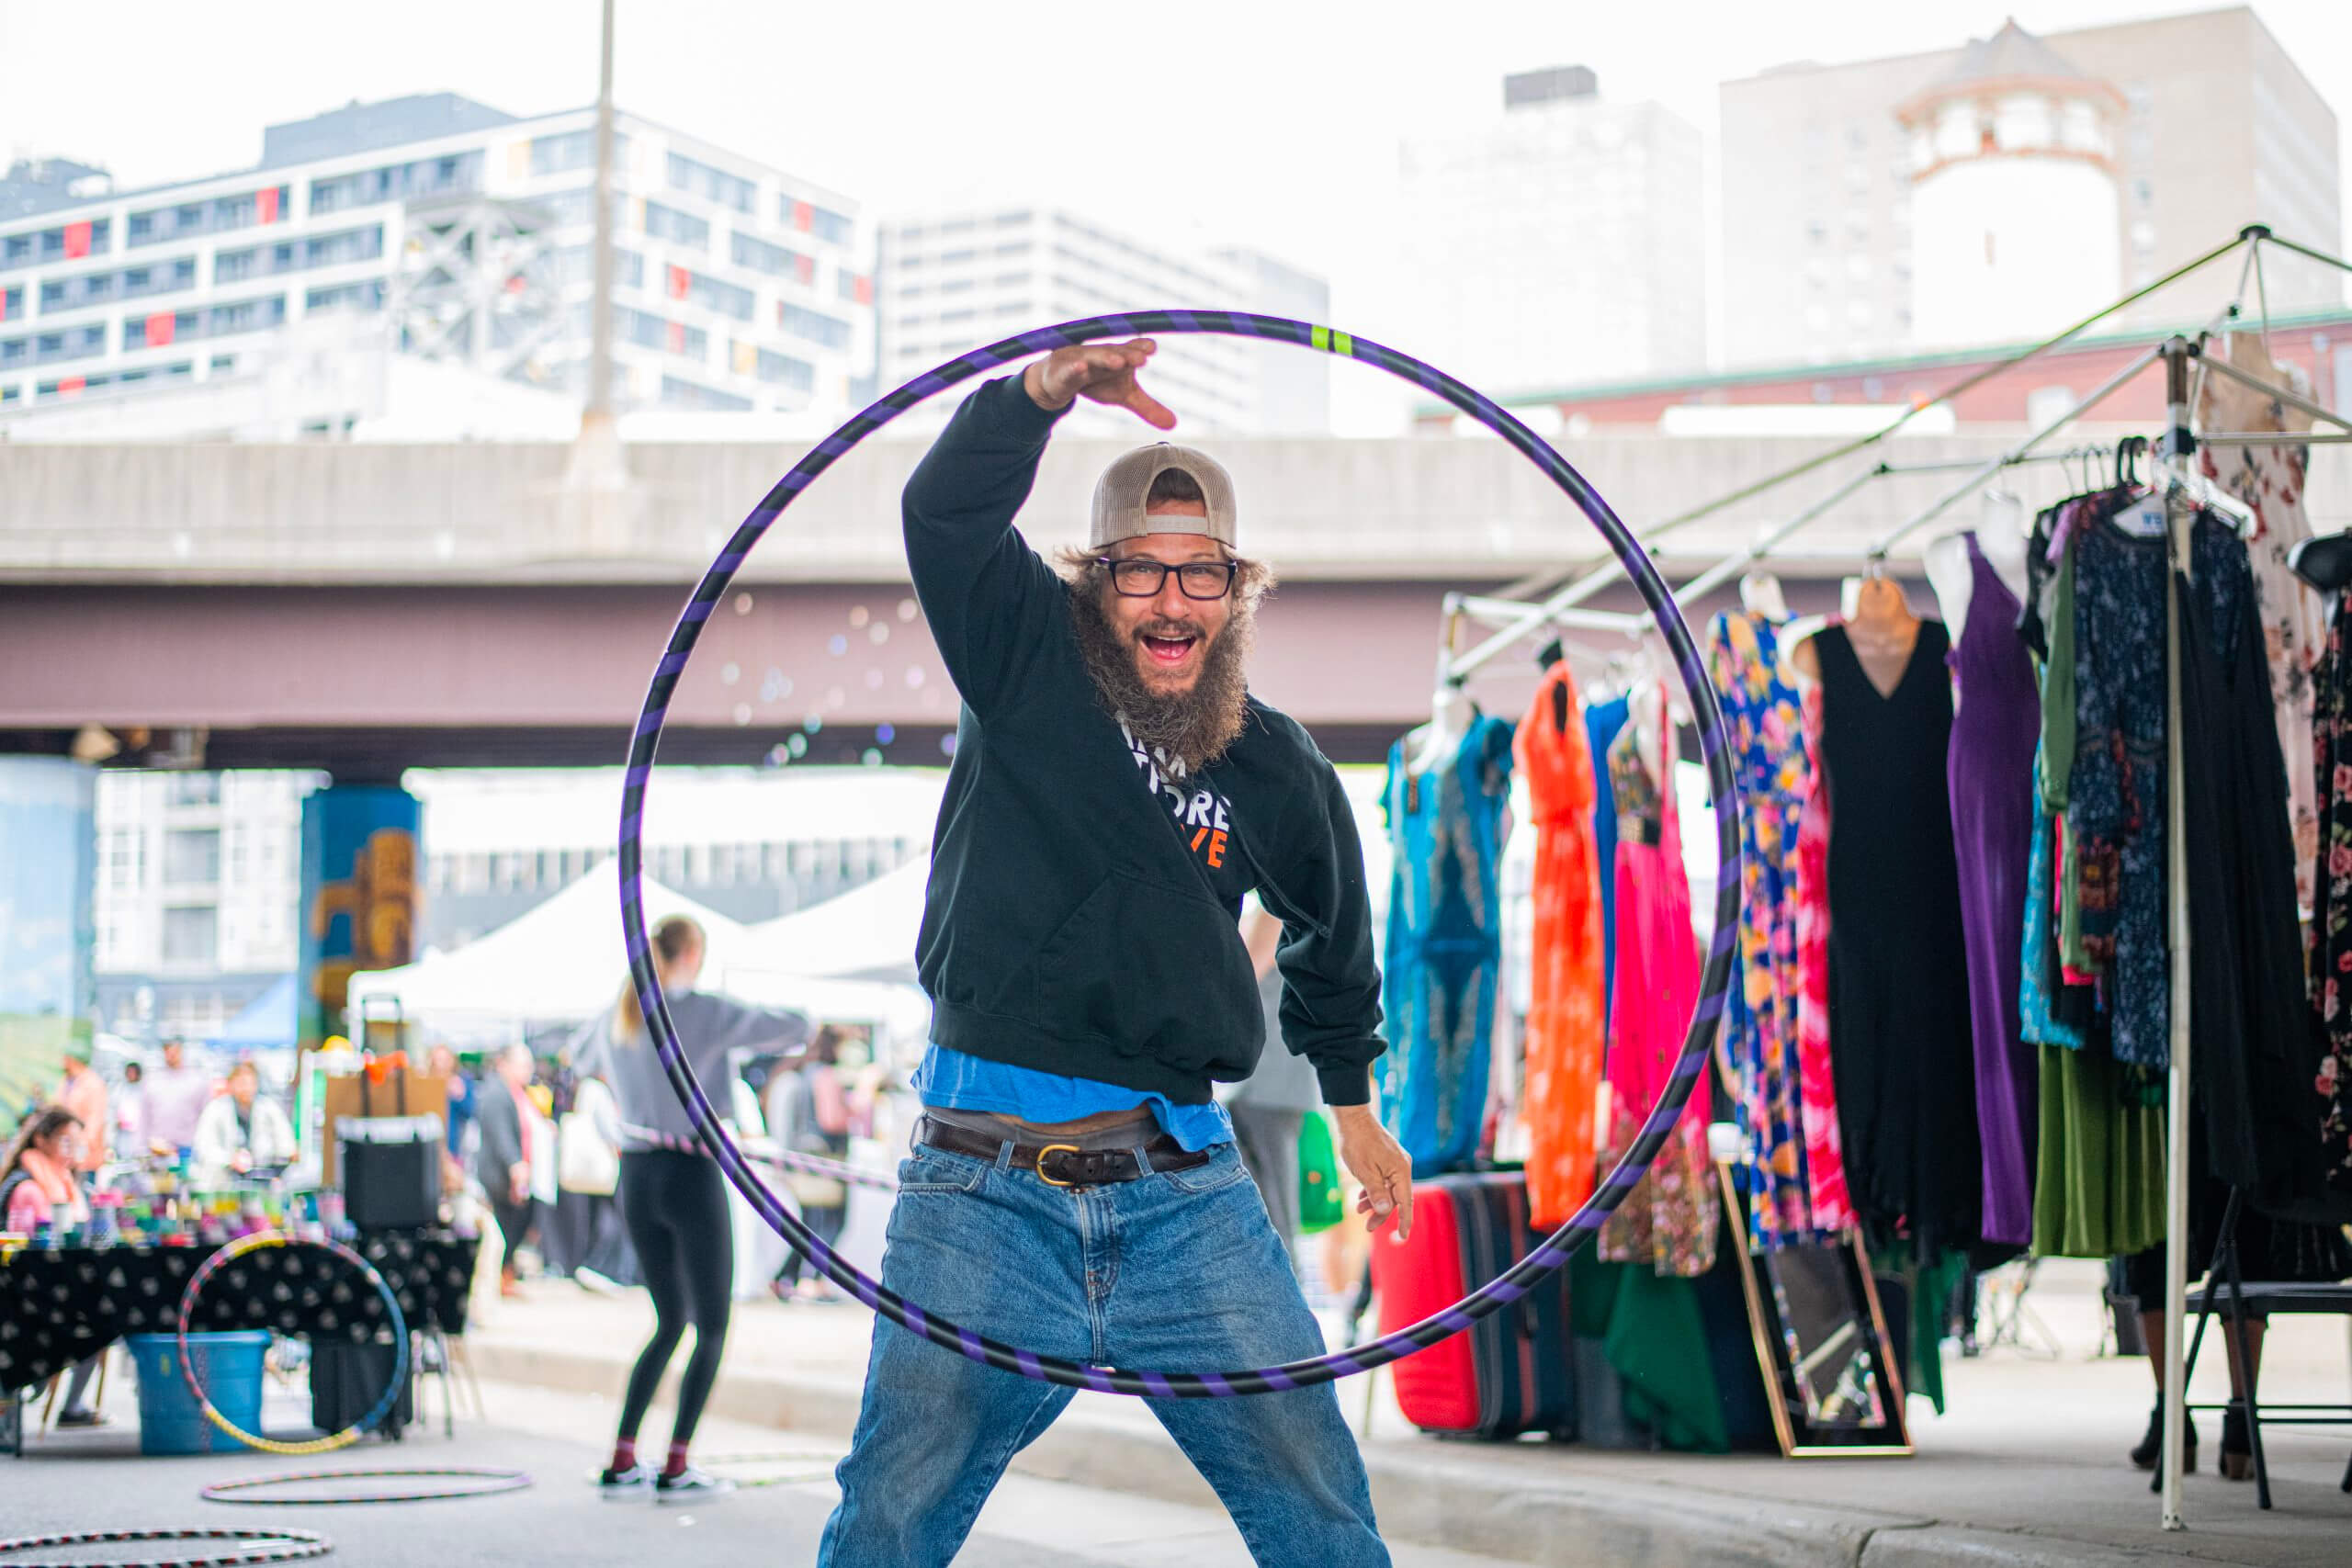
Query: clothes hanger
<point x="2128" y="452"/>
<point x="1761" y="595"/>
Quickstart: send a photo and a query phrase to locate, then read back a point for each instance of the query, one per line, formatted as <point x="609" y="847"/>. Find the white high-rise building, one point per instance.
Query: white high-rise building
<point x="467" y="231"/>
<point x="1562" y="242"/>
<point x="1293" y="390"/>
<point x="953" y="281"/>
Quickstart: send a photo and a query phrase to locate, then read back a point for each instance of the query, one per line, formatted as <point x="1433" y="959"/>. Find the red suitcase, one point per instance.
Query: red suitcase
<point x="1509" y="1372"/>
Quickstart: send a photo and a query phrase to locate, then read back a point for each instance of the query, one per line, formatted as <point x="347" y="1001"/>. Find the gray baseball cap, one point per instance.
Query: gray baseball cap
<point x="1119" y="496"/>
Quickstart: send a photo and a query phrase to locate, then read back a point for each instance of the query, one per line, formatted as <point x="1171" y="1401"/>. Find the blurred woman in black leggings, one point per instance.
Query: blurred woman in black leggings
<point x="674" y="1200"/>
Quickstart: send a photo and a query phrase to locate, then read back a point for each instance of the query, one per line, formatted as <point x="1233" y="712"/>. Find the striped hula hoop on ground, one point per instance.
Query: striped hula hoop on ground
<point x="250" y="1491"/>
<point x="1507" y="1287"/>
<point x="269" y="1546"/>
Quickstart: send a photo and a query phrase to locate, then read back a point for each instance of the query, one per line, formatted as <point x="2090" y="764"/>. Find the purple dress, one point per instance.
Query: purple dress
<point x="1990" y="771"/>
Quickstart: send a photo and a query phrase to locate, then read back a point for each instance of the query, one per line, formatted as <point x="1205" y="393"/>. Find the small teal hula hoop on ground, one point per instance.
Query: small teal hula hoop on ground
<point x="392" y="1318"/>
<point x="1515" y="1283"/>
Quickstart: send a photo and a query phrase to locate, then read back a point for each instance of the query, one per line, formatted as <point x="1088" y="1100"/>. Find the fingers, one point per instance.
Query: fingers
<point x="1389" y="1195"/>
<point x="1149" y="408"/>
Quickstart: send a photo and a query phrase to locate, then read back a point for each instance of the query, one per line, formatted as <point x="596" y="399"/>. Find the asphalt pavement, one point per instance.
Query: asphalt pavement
<point x="99" y="1481"/>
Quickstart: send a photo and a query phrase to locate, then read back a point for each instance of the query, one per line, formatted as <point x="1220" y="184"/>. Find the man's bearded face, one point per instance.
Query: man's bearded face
<point x="1169" y="665"/>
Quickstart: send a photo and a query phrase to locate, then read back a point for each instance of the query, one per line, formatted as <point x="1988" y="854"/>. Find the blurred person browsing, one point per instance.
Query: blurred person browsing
<point x="37" y="1179"/>
<point x="1115" y="793"/>
<point x="131" y="1113"/>
<point x="175" y="1094"/>
<point x="243" y="1131"/>
<point x="510" y="1126"/>
<point x="84" y="1094"/>
<point x="38" y="1186"/>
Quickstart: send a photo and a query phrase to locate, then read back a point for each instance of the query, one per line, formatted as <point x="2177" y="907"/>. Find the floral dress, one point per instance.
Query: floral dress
<point x="1766" y="721"/>
<point x="1669" y="1220"/>
<point x="2331" y="935"/>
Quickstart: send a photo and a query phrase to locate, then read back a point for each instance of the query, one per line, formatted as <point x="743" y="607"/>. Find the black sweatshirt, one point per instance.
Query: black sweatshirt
<point x="1081" y="916"/>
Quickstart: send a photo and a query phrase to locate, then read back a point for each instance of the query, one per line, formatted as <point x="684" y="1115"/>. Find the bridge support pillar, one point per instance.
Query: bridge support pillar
<point x="362" y="890"/>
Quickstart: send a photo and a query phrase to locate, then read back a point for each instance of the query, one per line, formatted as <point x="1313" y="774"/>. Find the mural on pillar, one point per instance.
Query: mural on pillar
<point x="48" y="866"/>
<point x="360" y="895"/>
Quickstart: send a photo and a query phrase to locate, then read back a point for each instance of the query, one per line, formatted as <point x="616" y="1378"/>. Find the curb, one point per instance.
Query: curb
<point x="1428" y="1495"/>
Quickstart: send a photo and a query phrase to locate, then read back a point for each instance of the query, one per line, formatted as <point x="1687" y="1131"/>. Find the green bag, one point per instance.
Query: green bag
<point x="1319" y="1204"/>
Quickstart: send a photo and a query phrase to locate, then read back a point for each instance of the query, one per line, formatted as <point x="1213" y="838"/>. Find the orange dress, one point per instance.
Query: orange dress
<point x="1565" y="1019"/>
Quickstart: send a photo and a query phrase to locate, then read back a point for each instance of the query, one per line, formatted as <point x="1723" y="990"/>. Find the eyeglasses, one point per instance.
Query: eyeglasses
<point x="1140" y="577"/>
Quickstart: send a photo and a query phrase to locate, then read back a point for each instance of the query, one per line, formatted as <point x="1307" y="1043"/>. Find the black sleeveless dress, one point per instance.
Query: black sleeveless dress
<point x="1899" y="1038"/>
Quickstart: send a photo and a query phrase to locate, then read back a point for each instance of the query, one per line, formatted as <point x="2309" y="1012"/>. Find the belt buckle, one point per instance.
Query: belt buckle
<point x="1049" y="1149"/>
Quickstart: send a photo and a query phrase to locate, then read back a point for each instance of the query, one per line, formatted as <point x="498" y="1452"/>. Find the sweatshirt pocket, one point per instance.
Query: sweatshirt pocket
<point x="1152" y="971"/>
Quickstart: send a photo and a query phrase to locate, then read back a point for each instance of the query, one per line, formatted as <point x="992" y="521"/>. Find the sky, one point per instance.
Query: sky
<point x="1272" y="123"/>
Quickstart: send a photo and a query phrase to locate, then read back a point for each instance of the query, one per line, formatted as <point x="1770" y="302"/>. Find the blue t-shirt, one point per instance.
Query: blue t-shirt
<point x="954" y="1080"/>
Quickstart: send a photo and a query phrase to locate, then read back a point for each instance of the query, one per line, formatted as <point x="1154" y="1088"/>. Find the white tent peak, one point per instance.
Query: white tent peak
<point x="562" y="959"/>
<point x="866" y="933"/>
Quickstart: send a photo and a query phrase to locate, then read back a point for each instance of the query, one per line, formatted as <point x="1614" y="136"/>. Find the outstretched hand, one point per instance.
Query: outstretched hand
<point x="1101" y="373"/>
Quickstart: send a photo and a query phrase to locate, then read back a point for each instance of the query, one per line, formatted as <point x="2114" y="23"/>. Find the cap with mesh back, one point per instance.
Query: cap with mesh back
<point x="1119" y="496"/>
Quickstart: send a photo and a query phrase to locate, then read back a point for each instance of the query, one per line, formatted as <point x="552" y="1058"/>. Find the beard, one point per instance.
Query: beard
<point x="1191" y="728"/>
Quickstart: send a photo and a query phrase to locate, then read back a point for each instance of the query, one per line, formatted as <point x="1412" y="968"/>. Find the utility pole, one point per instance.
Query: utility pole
<point x="594" y="500"/>
<point x="600" y="352"/>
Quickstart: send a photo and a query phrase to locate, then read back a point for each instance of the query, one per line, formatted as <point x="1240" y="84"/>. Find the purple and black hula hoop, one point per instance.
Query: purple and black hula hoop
<point x="1509" y="1286"/>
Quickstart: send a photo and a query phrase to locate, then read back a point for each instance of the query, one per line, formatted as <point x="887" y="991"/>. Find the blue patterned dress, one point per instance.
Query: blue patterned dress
<point x="1444" y="948"/>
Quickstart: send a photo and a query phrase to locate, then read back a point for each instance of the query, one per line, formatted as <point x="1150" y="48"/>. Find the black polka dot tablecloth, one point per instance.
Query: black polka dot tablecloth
<point x="57" y="1307"/>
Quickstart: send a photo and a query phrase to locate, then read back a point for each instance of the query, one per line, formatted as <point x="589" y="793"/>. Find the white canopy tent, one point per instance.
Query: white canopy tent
<point x="562" y="960"/>
<point x="866" y="933"/>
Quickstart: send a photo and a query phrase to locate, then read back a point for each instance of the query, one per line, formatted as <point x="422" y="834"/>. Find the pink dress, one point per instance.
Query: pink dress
<point x="1825" y="1158"/>
<point x="1669" y="1220"/>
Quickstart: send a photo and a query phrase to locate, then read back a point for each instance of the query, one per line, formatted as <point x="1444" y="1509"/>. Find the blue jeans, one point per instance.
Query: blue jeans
<point x="1176" y="1271"/>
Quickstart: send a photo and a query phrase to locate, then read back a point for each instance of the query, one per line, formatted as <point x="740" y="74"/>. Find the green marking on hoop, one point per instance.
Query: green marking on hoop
<point x="1321" y="337"/>
<point x="1342" y="343"/>
<point x="1330" y="341"/>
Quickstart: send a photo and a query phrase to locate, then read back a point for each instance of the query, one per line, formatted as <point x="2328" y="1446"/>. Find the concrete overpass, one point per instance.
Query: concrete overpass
<point x="363" y="608"/>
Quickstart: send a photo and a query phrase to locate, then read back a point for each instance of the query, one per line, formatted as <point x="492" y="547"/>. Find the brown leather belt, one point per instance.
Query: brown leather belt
<point x="1062" y="1165"/>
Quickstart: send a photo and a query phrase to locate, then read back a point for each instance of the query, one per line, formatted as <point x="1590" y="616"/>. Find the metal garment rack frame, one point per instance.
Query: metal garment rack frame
<point x="1515" y="620"/>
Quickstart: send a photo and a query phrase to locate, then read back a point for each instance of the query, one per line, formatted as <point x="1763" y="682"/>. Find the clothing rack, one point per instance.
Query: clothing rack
<point x="1516" y="619"/>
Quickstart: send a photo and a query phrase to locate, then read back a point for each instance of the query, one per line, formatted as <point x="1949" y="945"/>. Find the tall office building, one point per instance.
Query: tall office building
<point x="1562" y="242"/>
<point x="467" y="233"/>
<point x="2209" y="126"/>
<point x="953" y="281"/>
<point x="1292" y="392"/>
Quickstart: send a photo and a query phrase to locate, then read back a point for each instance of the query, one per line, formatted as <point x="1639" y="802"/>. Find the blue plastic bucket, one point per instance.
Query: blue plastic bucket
<point x="170" y="1420"/>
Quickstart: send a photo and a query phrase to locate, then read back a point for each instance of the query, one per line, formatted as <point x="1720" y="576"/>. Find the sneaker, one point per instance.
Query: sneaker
<point x="81" y="1418"/>
<point x="625" y="1486"/>
<point x="690" y="1485"/>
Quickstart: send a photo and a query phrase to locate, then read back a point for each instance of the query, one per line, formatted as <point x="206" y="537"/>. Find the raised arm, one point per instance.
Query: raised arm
<point x="983" y="589"/>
